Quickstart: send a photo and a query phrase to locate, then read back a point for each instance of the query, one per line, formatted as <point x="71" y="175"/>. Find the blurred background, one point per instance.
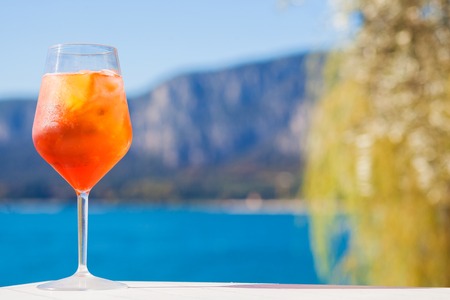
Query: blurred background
<point x="274" y="141"/>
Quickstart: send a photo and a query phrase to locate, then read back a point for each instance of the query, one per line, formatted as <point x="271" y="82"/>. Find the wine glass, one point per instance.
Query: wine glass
<point x="82" y="128"/>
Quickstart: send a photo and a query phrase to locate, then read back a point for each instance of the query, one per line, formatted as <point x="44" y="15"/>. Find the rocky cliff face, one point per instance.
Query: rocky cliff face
<point x="210" y="124"/>
<point x="210" y="117"/>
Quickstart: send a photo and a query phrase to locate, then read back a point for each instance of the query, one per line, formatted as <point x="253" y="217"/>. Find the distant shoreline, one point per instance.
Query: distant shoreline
<point x="275" y="206"/>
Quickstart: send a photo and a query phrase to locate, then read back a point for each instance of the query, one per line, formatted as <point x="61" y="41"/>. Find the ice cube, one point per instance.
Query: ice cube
<point x="108" y="72"/>
<point x="78" y="89"/>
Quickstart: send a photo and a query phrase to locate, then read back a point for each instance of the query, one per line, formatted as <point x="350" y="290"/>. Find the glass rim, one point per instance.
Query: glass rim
<point x="64" y="48"/>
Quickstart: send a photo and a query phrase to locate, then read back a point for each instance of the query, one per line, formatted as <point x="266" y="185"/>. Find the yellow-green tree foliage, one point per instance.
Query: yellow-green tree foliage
<point x="379" y="148"/>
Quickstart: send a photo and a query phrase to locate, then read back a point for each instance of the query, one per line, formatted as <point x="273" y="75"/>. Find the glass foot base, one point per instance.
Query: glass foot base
<point x="82" y="282"/>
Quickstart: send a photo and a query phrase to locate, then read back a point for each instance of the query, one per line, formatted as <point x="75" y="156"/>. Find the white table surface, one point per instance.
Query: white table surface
<point x="234" y="291"/>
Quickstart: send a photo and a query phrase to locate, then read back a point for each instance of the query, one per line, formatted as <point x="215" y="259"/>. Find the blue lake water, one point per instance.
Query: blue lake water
<point x="156" y="243"/>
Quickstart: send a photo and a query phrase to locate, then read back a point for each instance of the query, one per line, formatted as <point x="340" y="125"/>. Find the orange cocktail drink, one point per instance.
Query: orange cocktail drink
<point x="82" y="128"/>
<point x="82" y="125"/>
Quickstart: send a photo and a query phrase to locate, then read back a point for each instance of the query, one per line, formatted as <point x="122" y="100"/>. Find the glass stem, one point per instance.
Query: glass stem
<point x="82" y="231"/>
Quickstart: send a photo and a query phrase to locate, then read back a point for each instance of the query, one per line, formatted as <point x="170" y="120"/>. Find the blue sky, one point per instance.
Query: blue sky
<point x="157" y="40"/>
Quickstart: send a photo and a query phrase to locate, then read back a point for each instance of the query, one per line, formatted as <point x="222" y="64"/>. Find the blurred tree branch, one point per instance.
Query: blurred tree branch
<point x="379" y="148"/>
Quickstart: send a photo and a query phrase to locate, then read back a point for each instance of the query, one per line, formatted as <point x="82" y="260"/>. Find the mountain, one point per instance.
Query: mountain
<point x="220" y="134"/>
